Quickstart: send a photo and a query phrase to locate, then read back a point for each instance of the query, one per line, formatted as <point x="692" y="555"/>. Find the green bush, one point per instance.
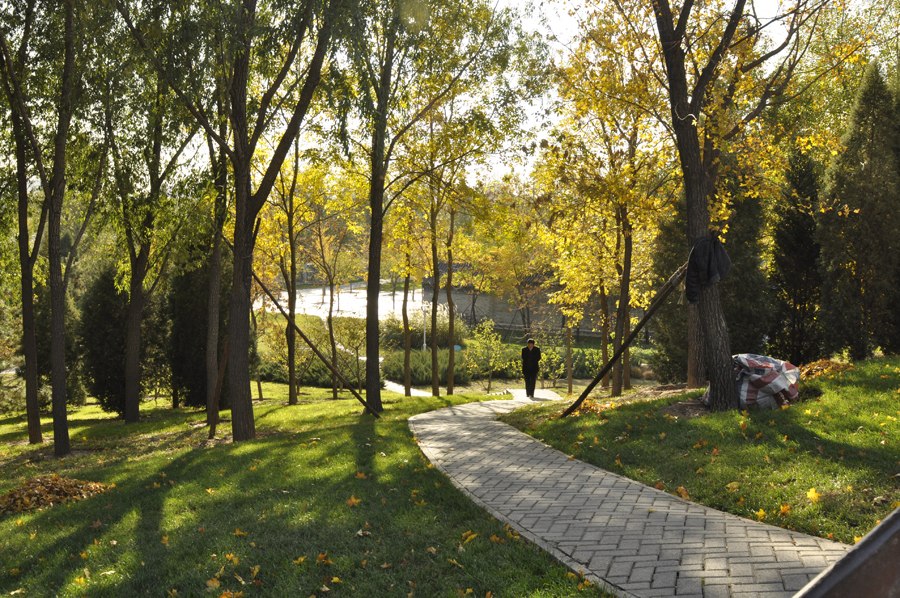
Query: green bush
<point x="420" y="367"/>
<point x="104" y="313"/>
<point x="75" y="390"/>
<point x="391" y="331"/>
<point x="188" y="293"/>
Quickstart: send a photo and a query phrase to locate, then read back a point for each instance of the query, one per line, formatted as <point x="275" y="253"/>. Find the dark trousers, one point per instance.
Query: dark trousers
<point x="530" y="379"/>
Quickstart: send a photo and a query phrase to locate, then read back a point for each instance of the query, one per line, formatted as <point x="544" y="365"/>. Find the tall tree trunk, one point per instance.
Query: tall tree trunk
<point x="243" y="426"/>
<point x="259" y="392"/>
<point x="624" y="298"/>
<point x="139" y="264"/>
<point x="27" y="258"/>
<point x="696" y="374"/>
<point x="26" y="264"/>
<point x="212" y="321"/>
<point x="451" y="322"/>
<point x="435" y="293"/>
<point x="61" y="442"/>
<point x="376" y="207"/>
<point x="699" y="181"/>
<point x="604" y="329"/>
<point x="289" y="331"/>
<point x="569" y="355"/>
<point x="407" y="334"/>
<point x="626" y="356"/>
<point x="330" y="322"/>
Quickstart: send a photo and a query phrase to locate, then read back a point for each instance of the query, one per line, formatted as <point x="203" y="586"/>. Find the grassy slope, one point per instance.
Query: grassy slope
<point x="845" y="444"/>
<point x="181" y="512"/>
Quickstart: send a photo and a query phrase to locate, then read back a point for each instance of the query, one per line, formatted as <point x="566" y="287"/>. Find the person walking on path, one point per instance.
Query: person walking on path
<point x="531" y="355"/>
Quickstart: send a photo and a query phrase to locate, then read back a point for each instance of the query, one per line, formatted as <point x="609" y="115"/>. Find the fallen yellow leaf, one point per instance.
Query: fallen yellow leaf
<point x="353" y="501"/>
<point x="813" y="496"/>
<point x="238" y="532"/>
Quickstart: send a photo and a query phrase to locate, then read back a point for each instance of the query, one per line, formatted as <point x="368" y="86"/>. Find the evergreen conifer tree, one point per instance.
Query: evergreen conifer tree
<point x="858" y="226"/>
<point x="796" y="333"/>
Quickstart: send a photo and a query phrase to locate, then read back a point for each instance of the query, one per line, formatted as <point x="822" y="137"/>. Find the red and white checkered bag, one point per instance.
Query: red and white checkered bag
<point x="763" y="382"/>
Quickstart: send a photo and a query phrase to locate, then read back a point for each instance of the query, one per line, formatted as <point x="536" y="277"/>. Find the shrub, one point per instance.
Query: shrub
<point x="420" y="368"/>
<point x="188" y="313"/>
<point x="391" y="330"/>
<point x="104" y="314"/>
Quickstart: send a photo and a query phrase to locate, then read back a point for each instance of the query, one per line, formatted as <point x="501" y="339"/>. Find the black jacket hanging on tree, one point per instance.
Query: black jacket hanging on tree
<point x="707" y="265"/>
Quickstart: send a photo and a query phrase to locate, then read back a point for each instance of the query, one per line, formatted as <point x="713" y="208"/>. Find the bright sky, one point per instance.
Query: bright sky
<point x="552" y="18"/>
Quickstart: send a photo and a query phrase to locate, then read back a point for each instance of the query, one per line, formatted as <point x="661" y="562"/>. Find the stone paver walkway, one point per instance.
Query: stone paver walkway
<point x="639" y="541"/>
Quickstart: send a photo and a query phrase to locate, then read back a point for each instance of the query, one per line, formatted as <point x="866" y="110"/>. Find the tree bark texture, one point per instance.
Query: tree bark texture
<point x="696" y="372"/>
<point x="604" y="329"/>
<point x="376" y="206"/>
<point x="139" y="264"/>
<point x="242" y="424"/>
<point x="435" y="294"/>
<point x="61" y="442"/>
<point x="407" y="334"/>
<point x="624" y="298"/>
<point x="27" y="257"/>
<point x="699" y="178"/>
<point x="451" y="322"/>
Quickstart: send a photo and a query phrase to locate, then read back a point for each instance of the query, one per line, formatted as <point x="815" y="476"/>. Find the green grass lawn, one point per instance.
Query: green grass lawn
<point x="828" y="466"/>
<point x="325" y="497"/>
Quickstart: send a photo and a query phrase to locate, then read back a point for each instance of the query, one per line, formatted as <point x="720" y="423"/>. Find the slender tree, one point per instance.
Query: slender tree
<point x="260" y="62"/>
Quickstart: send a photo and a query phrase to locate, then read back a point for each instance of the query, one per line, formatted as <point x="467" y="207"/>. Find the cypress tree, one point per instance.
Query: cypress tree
<point x="858" y="226"/>
<point x="794" y="279"/>
<point x="102" y="339"/>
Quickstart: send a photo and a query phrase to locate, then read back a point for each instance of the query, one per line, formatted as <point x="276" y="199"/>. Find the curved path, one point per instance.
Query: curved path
<point x="638" y="541"/>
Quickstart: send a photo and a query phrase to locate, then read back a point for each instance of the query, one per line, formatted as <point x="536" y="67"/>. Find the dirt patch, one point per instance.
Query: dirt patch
<point x="686" y="409"/>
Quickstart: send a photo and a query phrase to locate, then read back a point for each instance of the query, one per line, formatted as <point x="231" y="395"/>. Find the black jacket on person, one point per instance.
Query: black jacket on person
<point x="530" y="359"/>
<point x="707" y="265"/>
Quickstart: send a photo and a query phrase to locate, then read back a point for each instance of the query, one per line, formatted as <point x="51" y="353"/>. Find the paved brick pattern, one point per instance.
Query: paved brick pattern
<point x="639" y="541"/>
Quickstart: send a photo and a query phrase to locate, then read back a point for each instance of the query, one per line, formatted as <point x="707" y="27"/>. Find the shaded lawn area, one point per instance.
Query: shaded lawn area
<point x="828" y="466"/>
<point x="325" y="498"/>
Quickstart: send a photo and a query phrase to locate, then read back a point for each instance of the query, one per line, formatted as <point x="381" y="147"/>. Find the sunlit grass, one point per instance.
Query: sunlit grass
<point x="761" y="465"/>
<point x="187" y="516"/>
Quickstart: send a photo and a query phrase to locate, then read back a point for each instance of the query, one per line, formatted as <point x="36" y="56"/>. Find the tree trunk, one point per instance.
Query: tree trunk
<point x="259" y="392"/>
<point x="290" y="334"/>
<point x="626" y="356"/>
<point x="26" y="264"/>
<point x="407" y="335"/>
<point x="61" y="444"/>
<point x="451" y="323"/>
<point x="139" y="264"/>
<point x="695" y="370"/>
<point x="435" y="293"/>
<point x="604" y="329"/>
<point x="376" y="207"/>
<point x="569" y="356"/>
<point x="699" y="181"/>
<point x="212" y="322"/>
<point x="330" y="322"/>
<point x="243" y="427"/>
<point x="624" y="298"/>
